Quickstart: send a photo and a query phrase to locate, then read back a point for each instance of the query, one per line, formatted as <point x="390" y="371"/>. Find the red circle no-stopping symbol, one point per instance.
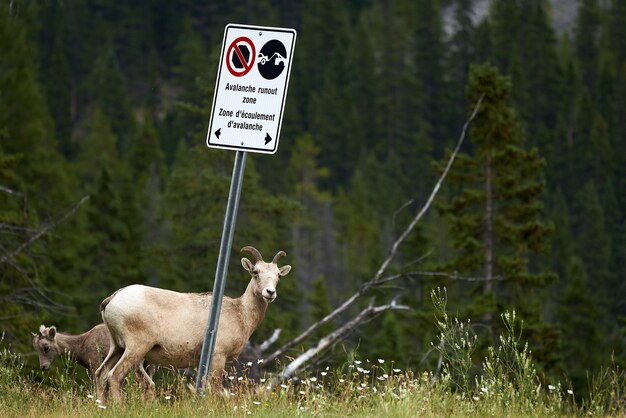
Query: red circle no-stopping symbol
<point x="240" y="56"/>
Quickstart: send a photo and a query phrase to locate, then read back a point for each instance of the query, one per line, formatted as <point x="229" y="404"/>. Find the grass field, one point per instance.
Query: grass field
<point x="358" y="389"/>
<point x="504" y="384"/>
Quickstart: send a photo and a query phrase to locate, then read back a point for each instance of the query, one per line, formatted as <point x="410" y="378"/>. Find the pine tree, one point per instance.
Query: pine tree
<point x="504" y="19"/>
<point x="320" y="307"/>
<point x="494" y="218"/>
<point x="617" y="30"/>
<point x="98" y="149"/>
<point x="579" y="321"/>
<point x="429" y="56"/>
<point x="593" y="244"/>
<point x="108" y="91"/>
<point x="462" y="54"/>
<point x="38" y="186"/>
<point x="58" y="93"/>
<point x="587" y="38"/>
<point x="147" y="167"/>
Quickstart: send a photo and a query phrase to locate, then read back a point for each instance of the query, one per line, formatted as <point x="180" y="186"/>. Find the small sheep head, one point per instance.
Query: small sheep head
<point x="265" y="275"/>
<point x="44" y="342"/>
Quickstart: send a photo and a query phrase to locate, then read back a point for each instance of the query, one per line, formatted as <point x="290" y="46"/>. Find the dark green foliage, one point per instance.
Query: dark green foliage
<point x="108" y="91"/>
<point x="494" y="216"/>
<point x="111" y="99"/>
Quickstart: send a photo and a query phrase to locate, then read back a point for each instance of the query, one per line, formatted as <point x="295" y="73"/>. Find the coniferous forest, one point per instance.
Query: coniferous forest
<point x="105" y="178"/>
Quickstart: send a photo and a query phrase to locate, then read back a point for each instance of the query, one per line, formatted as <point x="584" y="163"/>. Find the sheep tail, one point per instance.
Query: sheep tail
<point x="106" y="301"/>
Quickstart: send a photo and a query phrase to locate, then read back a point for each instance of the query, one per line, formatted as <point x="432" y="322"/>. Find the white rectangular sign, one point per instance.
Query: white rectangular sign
<point x="251" y="88"/>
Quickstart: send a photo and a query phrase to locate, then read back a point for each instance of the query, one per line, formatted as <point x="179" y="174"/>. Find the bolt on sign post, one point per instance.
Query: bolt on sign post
<point x="248" y="106"/>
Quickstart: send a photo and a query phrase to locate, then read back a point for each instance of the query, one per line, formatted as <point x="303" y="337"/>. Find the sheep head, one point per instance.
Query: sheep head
<point x="265" y="276"/>
<point x="44" y="342"/>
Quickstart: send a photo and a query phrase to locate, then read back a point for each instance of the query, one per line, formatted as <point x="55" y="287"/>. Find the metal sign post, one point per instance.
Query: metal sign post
<point x="248" y="106"/>
<point x="230" y="218"/>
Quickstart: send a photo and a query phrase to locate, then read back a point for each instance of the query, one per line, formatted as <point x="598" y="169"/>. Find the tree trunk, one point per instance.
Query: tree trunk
<point x="488" y="286"/>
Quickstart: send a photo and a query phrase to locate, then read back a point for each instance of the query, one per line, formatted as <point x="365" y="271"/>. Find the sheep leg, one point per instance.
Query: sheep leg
<point x="217" y="371"/>
<point x="146" y="381"/>
<point x="101" y="375"/>
<point x="133" y="356"/>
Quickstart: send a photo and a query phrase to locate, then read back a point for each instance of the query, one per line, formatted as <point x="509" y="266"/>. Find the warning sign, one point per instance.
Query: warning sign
<point x="251" y="88"/>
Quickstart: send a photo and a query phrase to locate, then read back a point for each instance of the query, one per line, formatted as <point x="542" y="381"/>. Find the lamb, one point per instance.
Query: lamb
<point x="167" y="328"/>
<point x="87" y="349"/>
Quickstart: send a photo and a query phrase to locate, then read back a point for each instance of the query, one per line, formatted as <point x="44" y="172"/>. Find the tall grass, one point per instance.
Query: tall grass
<point x="506" y="383"/>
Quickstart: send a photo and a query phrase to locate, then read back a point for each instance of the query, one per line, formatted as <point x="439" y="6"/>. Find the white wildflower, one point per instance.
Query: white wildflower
<point x="313" y="379"/>
<point x="570" y="392"/>
<point x="476" y="398"/>
<point x="357" y="362"/>
<point x="385" y="375"/>
<point x="324" y="373"/>
<point x="256" y="402"/>
<point x="397" y="370"/>
<point x="231" y="377"/>
<point x="259" y="361"/>
<point x="380" y="378"/>
<point x="90" y="396"/>
<point x="168" y="397"/>
<point x="284" y="386"/>
<point x="381" y="361"/>
<point x="249" y="364"/>
<point x="483" y="389"/>
<point x="551" y="387"/>
<point x="263" y="380"/>
<point x="240" y="378"/>
<point x="98" y="401"/>
<point x="302" y="392"/>
<point x="341" y="380"/>
<point x="102" y="406"/>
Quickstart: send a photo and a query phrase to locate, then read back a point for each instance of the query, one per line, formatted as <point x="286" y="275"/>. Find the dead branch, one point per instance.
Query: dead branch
<point x="452" y="276"/>
<point x="42" y="232"/>
<point x="333" y="337"/>
<point x="271" y="340"/>
<point x="392" y="253"/>
<point x="11" y="192"/>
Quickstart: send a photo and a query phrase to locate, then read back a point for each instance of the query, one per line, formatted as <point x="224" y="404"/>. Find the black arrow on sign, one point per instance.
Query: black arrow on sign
<point x="218" y="133"/>
<point x="268" y="138"/>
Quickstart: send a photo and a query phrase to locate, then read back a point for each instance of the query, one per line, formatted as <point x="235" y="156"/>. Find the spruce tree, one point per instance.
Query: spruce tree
<point x="580" y="324"/>
<point x="108" y="91"/>
<point x="587" y="41"/>
<point x="495" y="216"/>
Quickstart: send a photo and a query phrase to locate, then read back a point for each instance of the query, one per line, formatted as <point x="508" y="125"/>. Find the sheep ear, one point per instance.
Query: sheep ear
<point x="52" y="333"/>
<point x="247" y="264"/>
<point x="284" y="270"/>
<point x="42" y="328"/>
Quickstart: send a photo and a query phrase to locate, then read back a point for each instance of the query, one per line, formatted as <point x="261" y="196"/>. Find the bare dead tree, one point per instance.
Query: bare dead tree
<point x="29" y="293"/>
<point x="335" y="336"/>
<point x="43" y="231"/>
<point x="378" y="276"/>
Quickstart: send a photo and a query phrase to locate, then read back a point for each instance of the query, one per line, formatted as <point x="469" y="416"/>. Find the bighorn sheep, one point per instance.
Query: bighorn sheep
<point x="87" y="349"/>
<point x="167" y="327"/>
